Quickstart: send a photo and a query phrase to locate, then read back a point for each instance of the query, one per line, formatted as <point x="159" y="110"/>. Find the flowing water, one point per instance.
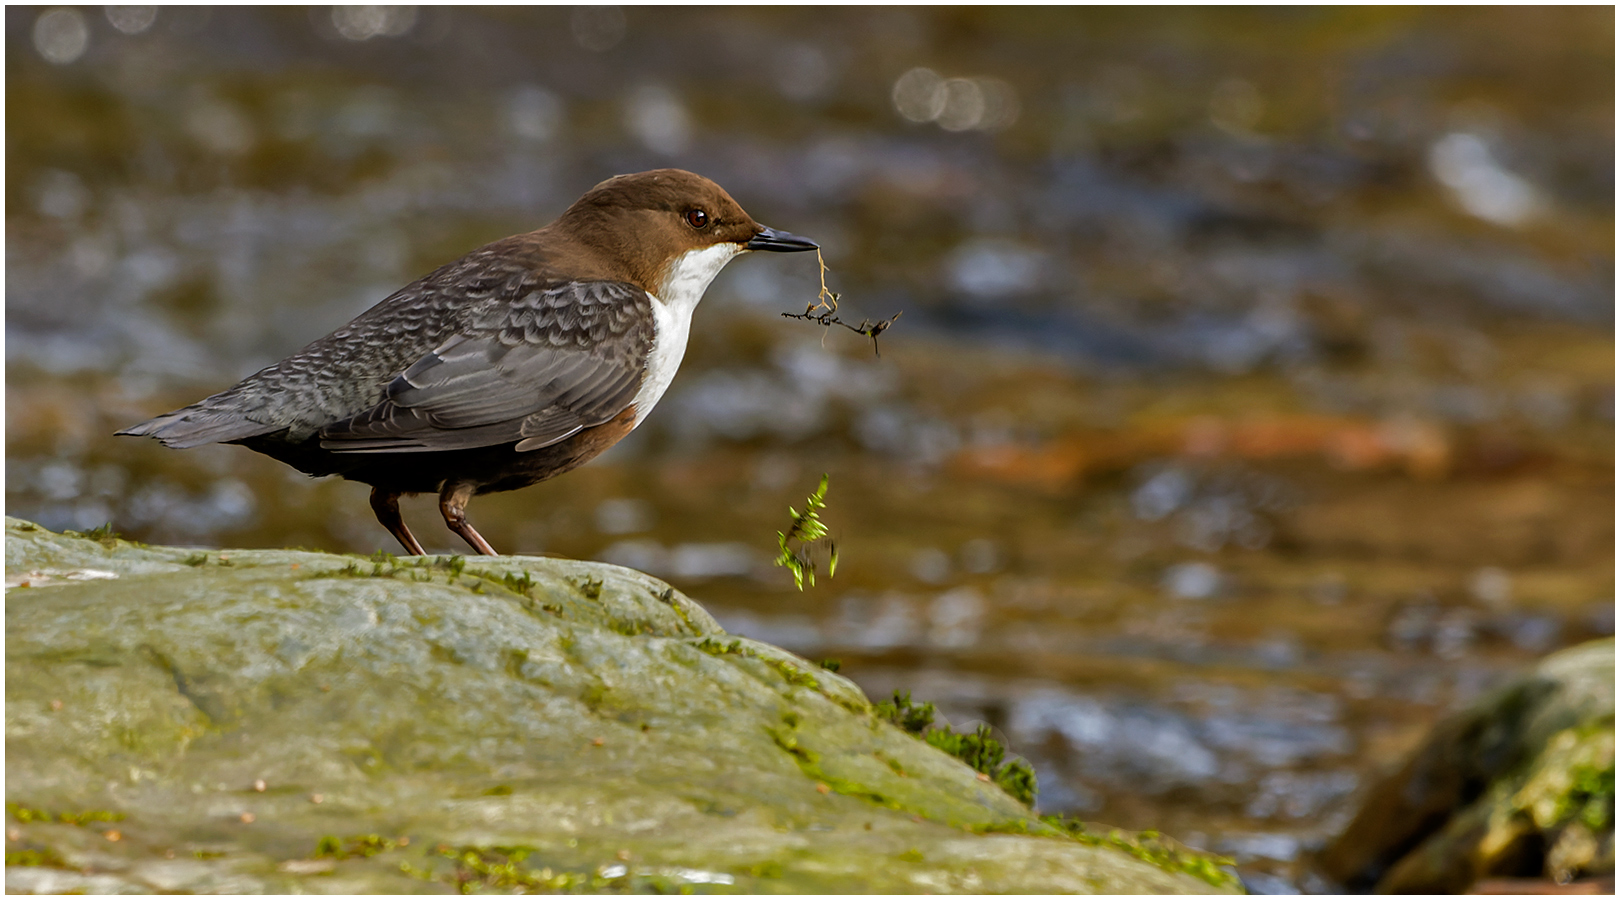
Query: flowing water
<point x="1251" y="407"/>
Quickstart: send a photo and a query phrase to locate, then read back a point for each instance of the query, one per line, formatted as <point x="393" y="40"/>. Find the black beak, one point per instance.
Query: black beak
<point x="780" y="241"/>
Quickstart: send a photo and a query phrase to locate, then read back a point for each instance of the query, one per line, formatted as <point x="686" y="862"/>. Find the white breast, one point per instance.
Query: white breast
<point x="688" y="278"/>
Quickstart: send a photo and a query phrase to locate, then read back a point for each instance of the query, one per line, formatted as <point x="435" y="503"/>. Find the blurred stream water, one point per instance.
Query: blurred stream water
<point x="1252" y="405"/>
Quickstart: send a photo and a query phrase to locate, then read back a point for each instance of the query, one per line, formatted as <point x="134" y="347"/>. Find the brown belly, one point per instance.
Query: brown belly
<point x="487" y="469"/>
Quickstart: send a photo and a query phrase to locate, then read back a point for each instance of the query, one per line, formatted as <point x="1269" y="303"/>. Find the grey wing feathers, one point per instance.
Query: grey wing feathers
<point x="533" y="371"/>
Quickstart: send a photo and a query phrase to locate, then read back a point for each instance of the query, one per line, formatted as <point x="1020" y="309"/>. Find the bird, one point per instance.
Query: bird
<point x="518" y="362"/>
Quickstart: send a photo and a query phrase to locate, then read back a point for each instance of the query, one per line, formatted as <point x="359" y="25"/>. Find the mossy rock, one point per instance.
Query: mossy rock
<point x="1521" y="784"/>
<point x="287" y="721"/>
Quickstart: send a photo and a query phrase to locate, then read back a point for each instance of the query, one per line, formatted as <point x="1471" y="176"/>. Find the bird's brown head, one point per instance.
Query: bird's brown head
<point x="647" y="223"/>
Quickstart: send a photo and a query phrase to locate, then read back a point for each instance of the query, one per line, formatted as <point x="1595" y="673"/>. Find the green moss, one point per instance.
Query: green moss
<point x="589" y="588"/>
<point x="88" y="816"/>
<point x="453" y="564"/>
<point x="519" y="582"/>
<point x="831" y="665"/>
<point x="979" y="750"/>
<point x="25" y="815"/>
<point x="596" y="697"/>
<point x="1017" y="778"/>
<point x="715" y="647"/>
<point x="101" y="534"/>
<point x="792" y="674"/>
<point x="421" y="569"/>
<point x="1148" y="846"/>
<point x="360" y="845"/>
<point x="43" y="856"/>
<point x="1570" y="780"/>
<point x="809" y="762"/>
<point x="905" y="715"/>
<point x="482" y="869"/>
<point x="788" y="741"/>
<point x="768" y="869"/>
<point x="789" y="672"/>
<point x="668" y="599"/>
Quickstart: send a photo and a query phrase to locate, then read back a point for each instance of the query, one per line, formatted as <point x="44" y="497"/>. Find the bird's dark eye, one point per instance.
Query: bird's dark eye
<point x="697" y="218"/>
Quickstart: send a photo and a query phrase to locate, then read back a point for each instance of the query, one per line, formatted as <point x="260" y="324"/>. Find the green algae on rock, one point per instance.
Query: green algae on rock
<point x="268" y="720"/>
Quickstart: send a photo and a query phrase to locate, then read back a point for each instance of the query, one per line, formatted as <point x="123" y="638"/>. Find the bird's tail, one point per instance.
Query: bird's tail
<point x="196" y="425"/>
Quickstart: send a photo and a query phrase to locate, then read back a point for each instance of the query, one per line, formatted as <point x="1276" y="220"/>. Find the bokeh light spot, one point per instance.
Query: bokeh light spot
<point x="955" y="104"/>
<point x="131" y="19"/>
<point x="919" y="95"/>
<point x="220" y="126"/>
<point x="362" y="23"/>
<point x="964" y="105"/>
<point x="1464" y="163"/>
<point x="61" y="36"/>
<point x="656" y="117"/>
<point x="61" y="195"/>
<point x="534" y="113"/>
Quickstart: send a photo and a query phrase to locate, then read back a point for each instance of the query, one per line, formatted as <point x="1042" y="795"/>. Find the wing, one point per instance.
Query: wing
<point x="534" y="371"/>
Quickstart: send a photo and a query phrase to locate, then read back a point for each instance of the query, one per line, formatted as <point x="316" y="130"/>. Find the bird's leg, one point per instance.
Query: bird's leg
<point x="386" y="505"/>
<point x="453" y="504"/>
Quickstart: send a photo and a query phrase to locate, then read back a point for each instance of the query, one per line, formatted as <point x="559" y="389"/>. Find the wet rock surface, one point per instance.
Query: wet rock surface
<point x="1520" y="785"/>
<point x="239" y="721"/>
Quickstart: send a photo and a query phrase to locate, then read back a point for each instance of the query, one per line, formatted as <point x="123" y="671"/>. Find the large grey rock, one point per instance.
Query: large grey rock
<point x="293" y="721"/>
<point x="1521" y="784"/>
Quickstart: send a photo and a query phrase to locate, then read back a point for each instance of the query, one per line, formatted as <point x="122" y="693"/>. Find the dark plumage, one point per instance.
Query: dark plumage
<point x="520" y="361"/>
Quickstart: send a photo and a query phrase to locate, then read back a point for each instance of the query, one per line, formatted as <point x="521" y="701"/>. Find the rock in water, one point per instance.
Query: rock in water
<point x="284" y="721"/>
<point x="1520" y="785"/>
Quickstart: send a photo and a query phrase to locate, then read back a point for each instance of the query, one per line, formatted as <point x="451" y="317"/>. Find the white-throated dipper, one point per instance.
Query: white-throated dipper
<point x="520" y="361"/>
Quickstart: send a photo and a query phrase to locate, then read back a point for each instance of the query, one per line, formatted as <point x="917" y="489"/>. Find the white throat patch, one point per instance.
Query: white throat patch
<point x="688" y="278"/>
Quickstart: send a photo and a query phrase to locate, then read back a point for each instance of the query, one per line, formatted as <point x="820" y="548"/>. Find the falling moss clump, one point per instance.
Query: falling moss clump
<point x="806" y="528"/>
<point x="979" y="749"/>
